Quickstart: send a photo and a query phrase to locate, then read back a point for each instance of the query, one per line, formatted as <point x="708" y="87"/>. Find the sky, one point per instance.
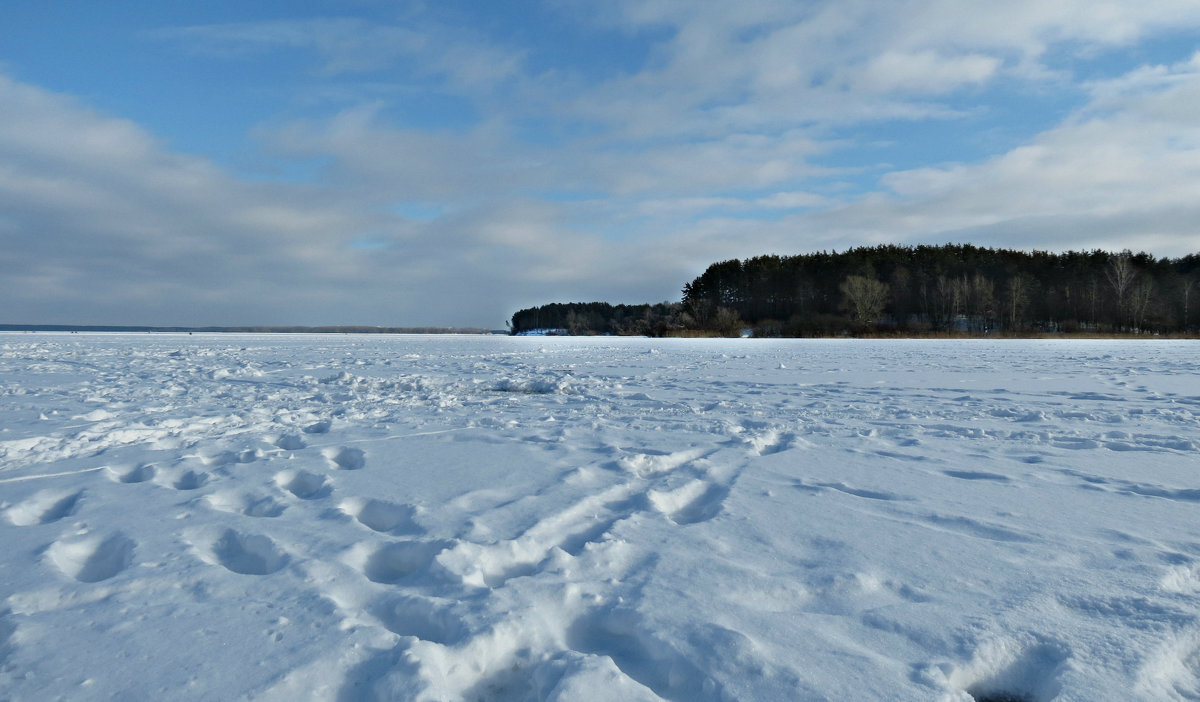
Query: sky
<point x="447" y="163"/>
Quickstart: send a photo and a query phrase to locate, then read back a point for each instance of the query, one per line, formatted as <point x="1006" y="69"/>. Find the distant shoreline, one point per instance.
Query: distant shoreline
<point x="244" y="329"/>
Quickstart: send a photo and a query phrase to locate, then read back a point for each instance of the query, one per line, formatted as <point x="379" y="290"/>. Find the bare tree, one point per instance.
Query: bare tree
<point x="1017" y="299"/>
<point x="1121" y="276"/>
<point x="1093" y="296"/>
<point x="575" y="323"/>
<point x="948" y="297"/>
<point x="865" y="297"/>
<point x="1186" y="287"/>
<point x="728" y="322"/>
<point x="1139" y="302"/>
<point x="981" y="297"/>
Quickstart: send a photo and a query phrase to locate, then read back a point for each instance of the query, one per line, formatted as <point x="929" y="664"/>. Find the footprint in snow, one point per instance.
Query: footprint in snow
<point x="183" y="479"/>
<point x="247" y="554"/>
<point x="245" y="503"/>
<point x="303" y="484"/>
<point x="44" y="507"/>
<point x="428" y="619"/>
<point x="1014" y="671"/>
<point x="225" y="458"/>
<point x="381" y="515"/>
<point x="391" y="562"/>
<point x="620" y="636"/>
<point x="345" y="458"/>
<point x="289" y="442"/>
<point x="92" y="558"/>
<point x="139" y="473"/>
<point x="694" y="502"/>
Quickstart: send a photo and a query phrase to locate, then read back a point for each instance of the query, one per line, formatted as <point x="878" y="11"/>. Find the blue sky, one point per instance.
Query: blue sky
<point x="446" y="163"/>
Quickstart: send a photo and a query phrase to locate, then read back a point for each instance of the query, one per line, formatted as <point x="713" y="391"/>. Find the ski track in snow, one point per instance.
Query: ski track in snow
<point x="444" y="518"/>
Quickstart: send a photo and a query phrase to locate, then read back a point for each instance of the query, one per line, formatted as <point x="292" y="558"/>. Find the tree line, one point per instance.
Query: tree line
<point x="576" y="318"/>
<point x="909" y="290"/>
<point x="343" y="329"/>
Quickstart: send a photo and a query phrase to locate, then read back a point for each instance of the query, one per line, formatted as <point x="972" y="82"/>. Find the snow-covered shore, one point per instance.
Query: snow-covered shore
<point x="376" y="518"/>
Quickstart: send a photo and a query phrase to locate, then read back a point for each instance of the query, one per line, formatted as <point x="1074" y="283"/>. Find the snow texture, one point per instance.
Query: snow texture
<point x="480" y="518"/>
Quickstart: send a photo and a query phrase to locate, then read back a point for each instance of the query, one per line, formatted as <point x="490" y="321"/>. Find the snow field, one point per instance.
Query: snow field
<point x="445" y="518"/>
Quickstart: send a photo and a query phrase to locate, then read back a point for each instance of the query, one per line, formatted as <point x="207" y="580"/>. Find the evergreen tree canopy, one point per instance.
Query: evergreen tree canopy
<point x="915" y="289"/>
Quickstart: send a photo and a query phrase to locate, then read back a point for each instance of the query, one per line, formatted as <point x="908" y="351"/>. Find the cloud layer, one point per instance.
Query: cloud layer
<point x="454" y="171"/>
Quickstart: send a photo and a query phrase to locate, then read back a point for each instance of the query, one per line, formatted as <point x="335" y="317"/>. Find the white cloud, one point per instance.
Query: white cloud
<point x="352" y="45"/>
<point x="693" y="206"/>
<point x="104" y="225"/>
<point x="763" y="65"/>
<point x="926" y="71"/>
<point x="104" y="217"/>
<point x="407" y="163"/>
<point x="793" y="200"/>
<point x="1121" y="172"/>
<point x="1109" y="178"/>
<point x="564" y="188"/>
<point x="1030" y="26"/>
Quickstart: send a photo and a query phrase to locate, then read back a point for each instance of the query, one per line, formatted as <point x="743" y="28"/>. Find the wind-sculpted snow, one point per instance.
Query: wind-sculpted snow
<point x="479" y="518"/>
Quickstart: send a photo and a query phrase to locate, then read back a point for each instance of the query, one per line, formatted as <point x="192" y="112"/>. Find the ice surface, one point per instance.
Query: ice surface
<point x="484" y="518"/>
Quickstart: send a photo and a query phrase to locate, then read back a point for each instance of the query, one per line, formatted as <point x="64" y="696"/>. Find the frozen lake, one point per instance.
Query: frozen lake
<point x="444" y="518"/>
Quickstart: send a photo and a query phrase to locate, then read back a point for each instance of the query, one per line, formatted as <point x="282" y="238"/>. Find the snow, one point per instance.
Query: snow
<point x="445" y="518"/>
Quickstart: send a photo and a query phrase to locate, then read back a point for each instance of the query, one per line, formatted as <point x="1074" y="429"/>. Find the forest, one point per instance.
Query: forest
<point x="953" y="289"/>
